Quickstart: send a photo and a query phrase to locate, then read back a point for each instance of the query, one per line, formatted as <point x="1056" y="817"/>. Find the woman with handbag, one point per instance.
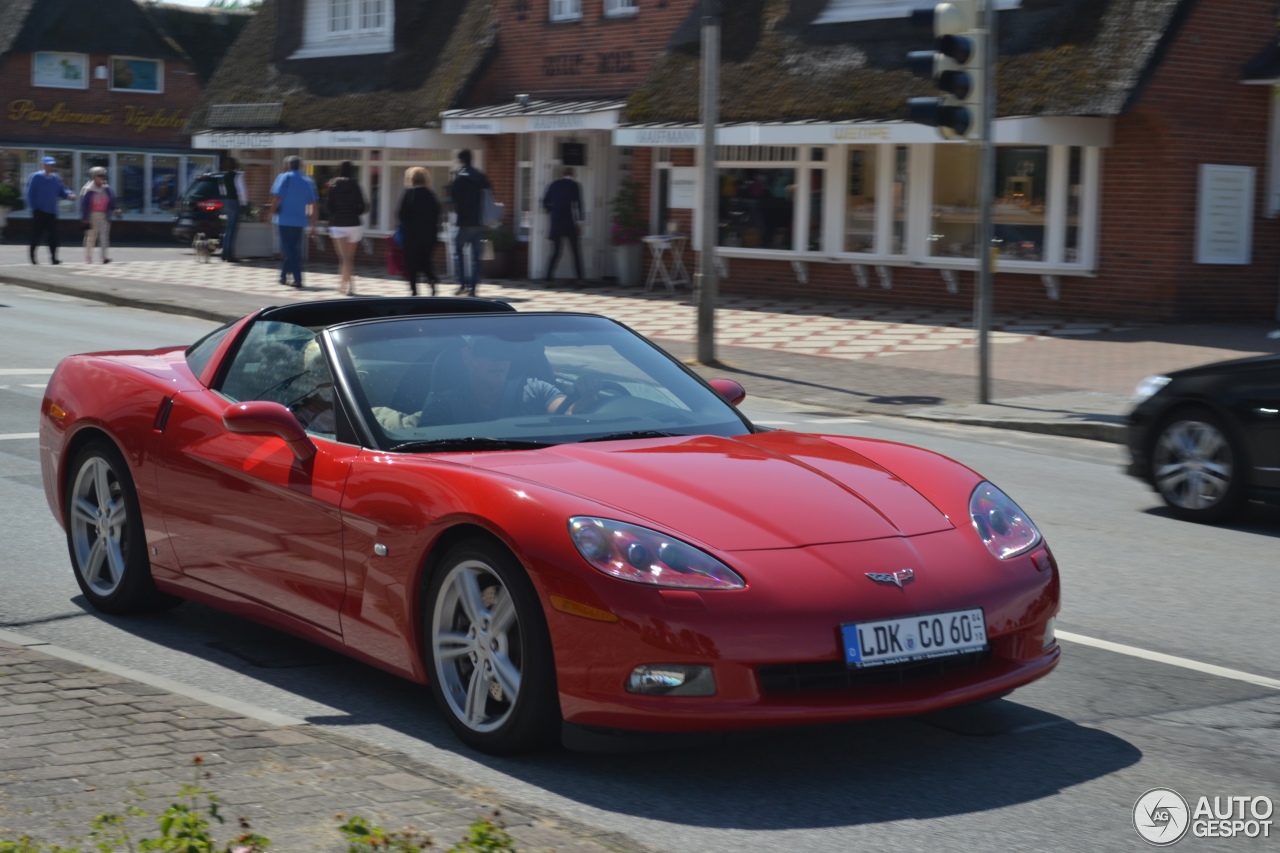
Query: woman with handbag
<point x="346" y="205"/>
<point x="419" y="228"/>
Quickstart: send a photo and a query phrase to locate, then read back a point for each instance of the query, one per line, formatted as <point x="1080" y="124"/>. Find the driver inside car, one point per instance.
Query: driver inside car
<point x="473" y="384"/>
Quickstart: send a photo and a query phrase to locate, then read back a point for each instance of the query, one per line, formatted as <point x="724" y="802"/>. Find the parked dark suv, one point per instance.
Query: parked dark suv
<point x="199" y="209"/>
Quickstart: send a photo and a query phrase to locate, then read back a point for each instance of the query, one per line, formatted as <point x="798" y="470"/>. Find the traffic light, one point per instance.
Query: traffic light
<point x="956" y="67"/>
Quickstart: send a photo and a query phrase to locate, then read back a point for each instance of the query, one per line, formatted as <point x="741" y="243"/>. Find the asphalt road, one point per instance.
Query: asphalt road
<point x="1056" y="766"/>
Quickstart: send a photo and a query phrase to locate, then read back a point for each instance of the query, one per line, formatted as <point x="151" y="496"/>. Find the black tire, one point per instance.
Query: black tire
<point x="1197" y="466"/>
<point x="106" y="536"/>
<point x="500" y="650"/>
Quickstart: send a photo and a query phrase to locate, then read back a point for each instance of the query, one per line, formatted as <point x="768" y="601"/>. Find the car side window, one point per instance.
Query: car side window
<point x="284" y="364"/>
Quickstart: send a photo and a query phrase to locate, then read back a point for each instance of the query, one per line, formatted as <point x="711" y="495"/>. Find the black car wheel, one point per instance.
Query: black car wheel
<point x="105" y="534"/>
<point x="1196" y="466"/>
<point x="491" y="665"/>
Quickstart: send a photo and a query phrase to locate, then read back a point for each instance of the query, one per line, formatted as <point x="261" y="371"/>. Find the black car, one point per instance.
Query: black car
<point x="199" y="210"/>
<point x="1208" y="438"/>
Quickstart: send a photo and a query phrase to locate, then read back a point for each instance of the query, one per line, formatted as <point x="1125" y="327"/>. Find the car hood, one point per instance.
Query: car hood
<point x="753" y="492"/>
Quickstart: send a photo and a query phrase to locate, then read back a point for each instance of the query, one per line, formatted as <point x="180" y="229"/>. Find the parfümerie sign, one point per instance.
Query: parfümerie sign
<point x="138" y="118"/>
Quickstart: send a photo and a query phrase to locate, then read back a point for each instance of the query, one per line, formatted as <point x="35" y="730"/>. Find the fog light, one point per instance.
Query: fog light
<point x="1049" y="638"/>
<point x="672" y="680"/>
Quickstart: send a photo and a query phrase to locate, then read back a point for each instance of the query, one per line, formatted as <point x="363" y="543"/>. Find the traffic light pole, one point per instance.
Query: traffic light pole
<point x="983" y="293"/>
<point x="708" y="281"/>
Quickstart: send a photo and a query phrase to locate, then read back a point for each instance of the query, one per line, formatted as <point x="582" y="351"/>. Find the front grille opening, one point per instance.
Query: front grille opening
<point x="835" y="675"/>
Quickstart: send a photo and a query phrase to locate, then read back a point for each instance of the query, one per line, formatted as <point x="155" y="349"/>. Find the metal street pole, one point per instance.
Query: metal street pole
<point x="708" y="283"/>
<point x="983" y="293"/>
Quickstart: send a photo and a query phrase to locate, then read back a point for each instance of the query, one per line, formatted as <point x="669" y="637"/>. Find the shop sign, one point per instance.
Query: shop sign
<point x="479" y="126"/>
<point x="669" y="137"/>
<point x="235" y="140"/>
<point x="24" y="110"/>
<point x="684" y="188"/>
<point x="1224" y="232"/>
<point x="557" y="123"/>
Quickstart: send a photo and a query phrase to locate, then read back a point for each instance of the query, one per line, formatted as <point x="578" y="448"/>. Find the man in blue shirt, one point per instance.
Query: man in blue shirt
<point x="44" y="190"/>
<point x="295" y="206"/>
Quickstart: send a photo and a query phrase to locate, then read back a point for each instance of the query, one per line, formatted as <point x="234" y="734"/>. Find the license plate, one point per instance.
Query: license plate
<point x="186" y="222"/>
<point x="911" y="638"/>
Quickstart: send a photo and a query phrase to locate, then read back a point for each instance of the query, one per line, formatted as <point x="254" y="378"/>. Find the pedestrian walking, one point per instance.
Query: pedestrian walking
<point x="346" y="205"/>
<point x="294" y="207"/>
<point x="234" y="200"/>
<point x="44" y="190"/>
<point x="419" y="228"/>
<point x="466" y="194"/>
<point x="97" y="206"/>
<point x="563" y="202"/>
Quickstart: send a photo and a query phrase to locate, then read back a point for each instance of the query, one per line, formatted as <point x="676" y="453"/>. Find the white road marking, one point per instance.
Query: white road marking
<point x="836" y="421"/>
<point x="7" y="436"/>
<point x="1171" y="660"/>
<point x="35" y="384"/>
<point x="26" y="371"/>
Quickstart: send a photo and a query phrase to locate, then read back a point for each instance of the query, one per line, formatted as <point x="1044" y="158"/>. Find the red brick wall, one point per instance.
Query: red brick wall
<point x="592" y="57"/>
<point x="19" y="123"/>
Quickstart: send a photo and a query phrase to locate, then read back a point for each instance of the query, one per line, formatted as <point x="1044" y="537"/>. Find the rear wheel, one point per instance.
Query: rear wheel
<point x="105" y="534"/>
<point x="1196" y="466"/>
<point x="492" y="671"/>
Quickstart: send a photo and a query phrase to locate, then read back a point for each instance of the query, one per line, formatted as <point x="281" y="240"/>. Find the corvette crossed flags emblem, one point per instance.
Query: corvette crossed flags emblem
<point x="898" y="578"/>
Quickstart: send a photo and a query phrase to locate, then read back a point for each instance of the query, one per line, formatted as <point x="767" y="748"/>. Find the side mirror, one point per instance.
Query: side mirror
<point x="262" y="417"/>
<point x="730" y="389"/>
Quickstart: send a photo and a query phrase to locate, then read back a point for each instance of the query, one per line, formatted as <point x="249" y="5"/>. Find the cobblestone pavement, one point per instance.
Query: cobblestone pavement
<point x="76" y="742"/>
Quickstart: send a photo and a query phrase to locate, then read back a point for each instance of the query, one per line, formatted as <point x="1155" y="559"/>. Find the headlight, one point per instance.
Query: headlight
<point x="1002" y="525"/>
<point x="646" y="556"/>
<point x="1149" y="386"/>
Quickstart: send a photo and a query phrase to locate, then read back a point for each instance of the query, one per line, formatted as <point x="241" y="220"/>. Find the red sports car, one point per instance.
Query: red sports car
<point x="546" y="517"/>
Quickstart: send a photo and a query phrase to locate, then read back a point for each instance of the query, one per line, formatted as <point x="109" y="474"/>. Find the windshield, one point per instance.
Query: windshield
<point x="513" y="381"/>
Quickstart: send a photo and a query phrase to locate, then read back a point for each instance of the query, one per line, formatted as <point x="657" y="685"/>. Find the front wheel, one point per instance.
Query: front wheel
<point x="105" y="534"/>
<point x="1196" y="468"/>
<point x="492" y="671"/>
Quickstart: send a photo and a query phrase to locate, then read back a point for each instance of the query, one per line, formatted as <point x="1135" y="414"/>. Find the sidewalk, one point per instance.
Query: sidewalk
<point x="79" y="735"/>
<point x="1048" y="374"/>
<point x="82" y="737"/>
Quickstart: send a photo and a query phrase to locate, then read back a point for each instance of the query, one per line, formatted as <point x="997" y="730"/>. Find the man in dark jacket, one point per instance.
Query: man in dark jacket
<point x="563" y="200"/>
<point x="466" y="192"/>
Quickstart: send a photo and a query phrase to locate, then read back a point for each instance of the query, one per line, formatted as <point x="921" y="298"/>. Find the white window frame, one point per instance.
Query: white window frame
<point x="565" y="10"/>
<point x="337" y="28"/>
<point x="621" y="8"/>
<point x="846" y="11"/>
<point x="111" y="74"/>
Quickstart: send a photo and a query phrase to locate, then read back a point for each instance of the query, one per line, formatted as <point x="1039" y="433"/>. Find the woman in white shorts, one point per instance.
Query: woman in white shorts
<point x="346" y="205"/>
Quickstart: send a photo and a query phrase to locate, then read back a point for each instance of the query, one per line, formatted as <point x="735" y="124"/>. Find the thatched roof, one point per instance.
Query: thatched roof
<point x="204" y="33"/>
<point x="1057" y="57"/>
<point x="440" y="47"/>
<point x="83" y="26"/>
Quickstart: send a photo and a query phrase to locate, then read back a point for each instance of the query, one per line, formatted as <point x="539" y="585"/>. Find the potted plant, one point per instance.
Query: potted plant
<point x="10" y="199"/>
<point x="626" y="232"/>
<point x="501" y="243"/>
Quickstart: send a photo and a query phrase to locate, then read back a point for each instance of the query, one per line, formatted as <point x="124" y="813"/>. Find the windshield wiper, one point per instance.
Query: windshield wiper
<point x="468" y="443"/>
<point x="640" y="433"/>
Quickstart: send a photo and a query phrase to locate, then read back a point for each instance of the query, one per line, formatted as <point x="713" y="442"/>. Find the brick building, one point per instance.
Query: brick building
<point x="107" y="83"/>
<point x="1137" y="171"/>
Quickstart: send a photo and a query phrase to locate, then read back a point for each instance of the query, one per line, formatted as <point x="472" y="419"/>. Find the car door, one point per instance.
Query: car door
<point x="243" y="513"/>
<point x="1258" y="391"/>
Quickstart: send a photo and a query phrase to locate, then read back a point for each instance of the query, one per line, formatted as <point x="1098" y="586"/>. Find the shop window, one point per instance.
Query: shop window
<point x="197" y="166"/>
<point x="756" y="208"/>
<point x="860" y="200"/>
<point x="60" y="70"/>
<point x="566" y="10"/>
<point x="524" y="186"/>
<point x="620" y="8"/>
<point x="88" y="160"/>
<point x="130" y="183"/>
<point x="1018" y="210"/>
<point x="901" y="184"/>
<point x="817" y="194"/>
<point x="164" y="184"/>
<point x="1075" y="189"/>
<point x="136" y="75"/>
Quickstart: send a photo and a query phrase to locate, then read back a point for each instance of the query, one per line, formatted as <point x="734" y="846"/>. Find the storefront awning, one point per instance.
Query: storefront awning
<point x="534" y="116"/>
<point x="1039" y="130"/>
<point x="419" y="137"/>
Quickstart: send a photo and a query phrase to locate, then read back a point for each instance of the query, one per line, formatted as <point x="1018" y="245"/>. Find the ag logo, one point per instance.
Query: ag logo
<point x="1161" y="816"/>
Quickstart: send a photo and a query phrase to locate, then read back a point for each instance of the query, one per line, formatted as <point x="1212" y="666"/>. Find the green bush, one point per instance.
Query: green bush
<point x="11" y="197"/>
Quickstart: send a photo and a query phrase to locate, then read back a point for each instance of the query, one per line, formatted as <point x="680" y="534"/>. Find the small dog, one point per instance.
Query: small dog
<point x="205" y="247"/>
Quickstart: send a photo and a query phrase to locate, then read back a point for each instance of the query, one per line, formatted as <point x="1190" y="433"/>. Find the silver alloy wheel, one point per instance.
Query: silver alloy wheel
<point x="475" y="646"/>
<point x="99" y="521"/>
<point x="1192" y="464"/>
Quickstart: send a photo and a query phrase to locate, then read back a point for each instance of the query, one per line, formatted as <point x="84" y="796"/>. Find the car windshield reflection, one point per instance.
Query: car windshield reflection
<point x="514" y="381"/>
